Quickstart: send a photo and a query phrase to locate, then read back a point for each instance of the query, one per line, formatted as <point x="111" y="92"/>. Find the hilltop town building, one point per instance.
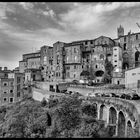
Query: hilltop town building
<point x="130" y="45"/>
<point x="72" y="61"/>
<point x="58" y="61"/>
<point x="30" y="60"/>
<point x="6" y="90"/>
<point x="85" y="59"/>
<point x="132" y="78"/>
<point x="46" y="62"/>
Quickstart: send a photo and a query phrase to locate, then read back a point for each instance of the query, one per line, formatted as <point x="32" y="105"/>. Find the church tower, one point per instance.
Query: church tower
<point x="120" y="31"/>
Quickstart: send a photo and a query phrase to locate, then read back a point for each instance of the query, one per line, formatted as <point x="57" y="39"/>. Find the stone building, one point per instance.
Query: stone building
<point x="102" y="51"/>
<point x="11" y="86"/>
<point x="72" y="61"/>
<point x="132" y="78"/>
<point x="130" y="44"/>
<point x="117" y="58"/>
<point x="4" y="72"/>
<point x="30" y="60"/>
<point x="18" y="86"/>
<point x="6" y="90"/>
<point x="32" y="75"/>
<point x="46" y="62"/>
<point x="58" y="60"/>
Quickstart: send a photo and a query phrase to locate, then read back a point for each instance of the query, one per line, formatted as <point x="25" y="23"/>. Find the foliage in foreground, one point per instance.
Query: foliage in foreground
<point x="65" y="116"/>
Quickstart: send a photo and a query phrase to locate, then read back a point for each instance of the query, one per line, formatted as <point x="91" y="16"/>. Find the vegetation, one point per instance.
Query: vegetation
<point x="61" y="117"/>
<point x="108" y="74"/>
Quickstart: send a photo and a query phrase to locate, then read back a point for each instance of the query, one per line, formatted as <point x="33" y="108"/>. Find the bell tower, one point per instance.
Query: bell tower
<point x="120" y="31"/>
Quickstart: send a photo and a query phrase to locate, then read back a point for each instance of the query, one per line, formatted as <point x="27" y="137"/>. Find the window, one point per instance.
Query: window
<point x="6" y="75"/>
<point x="5" y="92"/>
<point x="86" y="42"/>
<point x="18" y="94"/>
<point x="91" y="42"/>
<point x="96" y="66"/>
<point x="137" y="37"/>
<point x="115" y="55"/>
<point x="102" y="57"/>
<point x="56" y="74"/>
<point x="75" y="58"/>
<point x="5" y="84"/>
<point x="115" y="61"/>
<point x="57" y="59"/>
<point x="124" y="46"/>
<point x="11" y="100"/>
<point x="67" y="68"/>
<point x="18" y="79"/>
<point x="74" y="75"/>
<point x="118" y="82"/>
<point x="74" y="66"/>
<point x="133" y="74"/>
<point x="45" y="60"/>
<point x="82" y="66"/>
<point x="115" y="65"/>
<point x="125" y="38"/>
<point x="4" y="99"/>
<point x="11" y="91"/>
<point x="74" y="50"/>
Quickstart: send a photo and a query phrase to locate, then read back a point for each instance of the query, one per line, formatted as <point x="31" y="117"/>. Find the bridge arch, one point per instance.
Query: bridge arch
<point x="121" y="124"/>
<point x="129" y="129"/>
<point x="112" y="120"/>
<point x="103" y="113"/>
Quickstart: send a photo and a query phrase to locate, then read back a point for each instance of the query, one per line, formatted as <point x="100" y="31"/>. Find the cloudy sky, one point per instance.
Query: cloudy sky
<point x="25" y="27"/>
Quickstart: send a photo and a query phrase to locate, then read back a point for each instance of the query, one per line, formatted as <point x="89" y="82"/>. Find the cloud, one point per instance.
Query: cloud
<point x="27" y="25"/>
<point x="84" y="17"/>
<point x="26" y="5"/>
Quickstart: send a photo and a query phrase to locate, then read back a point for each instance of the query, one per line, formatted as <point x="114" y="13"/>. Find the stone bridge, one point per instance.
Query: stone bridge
<point x="121" y="116"/>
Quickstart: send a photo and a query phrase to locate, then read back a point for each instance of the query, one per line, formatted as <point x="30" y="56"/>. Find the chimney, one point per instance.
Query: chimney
<point x="5" y="68"/>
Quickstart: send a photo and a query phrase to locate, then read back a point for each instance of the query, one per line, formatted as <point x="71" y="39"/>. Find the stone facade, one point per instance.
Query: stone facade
<point x="130" y="45"/>
<point x="58" y="60"/>
<point x="32" y="75"/>
<point x="73" y="61"/>
<point x="47" y="63"/>
<point x="6" y="90"/>
<point x="30" y="60"/>
<point x="102" y="50"/>
<point x="18" y="86"/>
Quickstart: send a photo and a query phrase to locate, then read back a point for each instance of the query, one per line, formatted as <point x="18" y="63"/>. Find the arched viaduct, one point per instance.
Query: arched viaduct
<point x="121" y="116"/>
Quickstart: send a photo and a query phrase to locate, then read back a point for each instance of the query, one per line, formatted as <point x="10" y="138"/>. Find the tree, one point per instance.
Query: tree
<point x="89" y="109"/>
<point x="108" y="71"/>
<point x="43" y="102"/>
<point x="90" y="128"/>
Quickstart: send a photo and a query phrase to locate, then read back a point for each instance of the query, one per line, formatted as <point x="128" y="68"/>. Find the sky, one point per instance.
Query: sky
<point x="26" y="26"/>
